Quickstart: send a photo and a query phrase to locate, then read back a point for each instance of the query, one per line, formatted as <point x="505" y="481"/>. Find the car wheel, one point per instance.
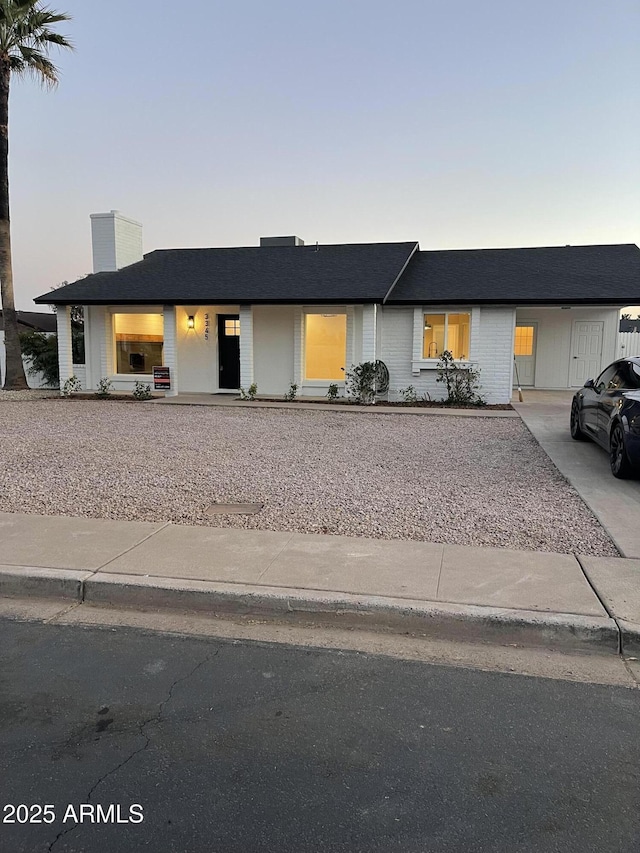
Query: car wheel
<point x="620" y="465"/>
<point x="576" y="429"/>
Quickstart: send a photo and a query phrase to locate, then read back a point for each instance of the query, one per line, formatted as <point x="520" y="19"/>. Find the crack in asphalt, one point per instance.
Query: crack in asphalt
<point x="141" y="731"/>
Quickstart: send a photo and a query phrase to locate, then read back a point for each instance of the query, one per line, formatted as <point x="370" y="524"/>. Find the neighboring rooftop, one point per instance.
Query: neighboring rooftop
<point x="37" y="321"/>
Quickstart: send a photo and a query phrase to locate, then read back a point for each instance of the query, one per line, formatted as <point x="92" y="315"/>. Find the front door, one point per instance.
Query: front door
<point x="586" y="351"/>
<point x="229" y="351"/>
<point x="525" y="353"/>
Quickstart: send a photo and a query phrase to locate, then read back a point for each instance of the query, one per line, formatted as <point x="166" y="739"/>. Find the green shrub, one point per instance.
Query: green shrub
<point x="104" y="388"/>
<point x="409" y="395"/>
<point x="462" y="383"/>
<point x="41" y="352"/>
<point x="360" y="383"/>
<point x="250" y="394"/>
<point x="71" y="386"/>
<point x="142" y="391"/>
<point x="292" y="393"/>
<point x="333" y="392"/>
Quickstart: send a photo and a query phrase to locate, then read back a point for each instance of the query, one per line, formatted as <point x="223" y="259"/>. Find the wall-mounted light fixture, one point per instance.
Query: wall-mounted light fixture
<point x="191" y="322"/>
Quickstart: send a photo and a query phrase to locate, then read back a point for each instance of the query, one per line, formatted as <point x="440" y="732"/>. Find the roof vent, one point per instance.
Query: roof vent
<point x="281" y="241"/>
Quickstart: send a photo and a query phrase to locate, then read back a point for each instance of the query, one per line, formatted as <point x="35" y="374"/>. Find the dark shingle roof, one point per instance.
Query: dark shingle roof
<point x="554" y="275"/>
<point x="293" y="274"/>
<point x="35" y="320"/>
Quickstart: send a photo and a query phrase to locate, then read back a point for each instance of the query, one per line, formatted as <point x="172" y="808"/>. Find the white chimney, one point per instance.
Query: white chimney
<point x="116" y="241"/>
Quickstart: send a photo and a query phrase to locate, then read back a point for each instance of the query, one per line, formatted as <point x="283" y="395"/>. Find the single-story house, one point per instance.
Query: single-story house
<point x="283" y="312"/>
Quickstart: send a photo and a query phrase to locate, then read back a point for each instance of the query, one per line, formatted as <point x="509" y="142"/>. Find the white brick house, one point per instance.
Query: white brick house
<point x="287" y="313"/>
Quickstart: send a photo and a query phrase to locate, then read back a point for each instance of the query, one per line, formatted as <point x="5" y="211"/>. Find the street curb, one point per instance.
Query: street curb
<point x="462" y="622"/>
<point x="629" y="636"/>
<point x="21" y="581"/>
<point x="433" y="619"/>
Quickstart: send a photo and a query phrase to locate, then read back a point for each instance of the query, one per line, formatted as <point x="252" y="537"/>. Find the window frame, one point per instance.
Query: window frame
<point x="320" y="310"/>
<point x="130" y="377"/>
<point x="418" y="360"/>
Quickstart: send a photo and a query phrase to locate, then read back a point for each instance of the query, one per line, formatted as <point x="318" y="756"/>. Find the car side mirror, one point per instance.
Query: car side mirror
<point x="589" y="383"/>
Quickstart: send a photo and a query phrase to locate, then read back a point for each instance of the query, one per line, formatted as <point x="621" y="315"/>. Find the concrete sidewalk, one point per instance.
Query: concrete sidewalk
<point x="488" y="594"/>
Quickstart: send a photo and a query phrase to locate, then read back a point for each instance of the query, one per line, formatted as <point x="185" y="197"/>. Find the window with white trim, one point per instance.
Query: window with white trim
<point x="446" y="331"/>
<point x="139" y="340"/>
<point x="325" y="346"/>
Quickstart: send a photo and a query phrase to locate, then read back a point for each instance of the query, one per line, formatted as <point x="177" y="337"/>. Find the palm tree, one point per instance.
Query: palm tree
<point x="26" y="39"/>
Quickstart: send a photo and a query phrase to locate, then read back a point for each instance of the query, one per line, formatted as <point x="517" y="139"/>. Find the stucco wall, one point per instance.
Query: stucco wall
<point x="553" y="346"/>
<point x="197" y="349"/>
<point x="273" y="348"/>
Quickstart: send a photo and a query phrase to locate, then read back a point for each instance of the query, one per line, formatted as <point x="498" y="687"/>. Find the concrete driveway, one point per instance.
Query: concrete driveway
<point x="616" y="503"/>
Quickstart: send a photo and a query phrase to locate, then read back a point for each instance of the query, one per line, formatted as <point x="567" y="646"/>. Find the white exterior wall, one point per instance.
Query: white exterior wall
<point x="274" y="349"/>
<point x="246" y="347"/>
<point x="628" y="344"/>
<point x="65" y="356"/>
<point x="491" y="350"/>
<point x="170" y="348"/>
<point x="198" y="348"/>
<point x="553" y="344"/>
<point x="116" y="241"/>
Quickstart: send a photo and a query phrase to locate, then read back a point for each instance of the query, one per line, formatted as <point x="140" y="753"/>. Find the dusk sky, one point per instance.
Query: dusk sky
<point x="457" y="123"/>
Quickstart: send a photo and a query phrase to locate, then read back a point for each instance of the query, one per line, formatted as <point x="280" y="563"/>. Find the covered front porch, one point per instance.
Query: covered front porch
<point x="561" y="347"/>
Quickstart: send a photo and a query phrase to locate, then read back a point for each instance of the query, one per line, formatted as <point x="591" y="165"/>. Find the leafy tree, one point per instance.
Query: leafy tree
<point x="26" y="39"/>
<point x="41" y="351"/>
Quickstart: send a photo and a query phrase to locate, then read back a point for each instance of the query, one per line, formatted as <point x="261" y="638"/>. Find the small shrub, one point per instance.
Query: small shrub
<point x="409" y="395"/>
<point x="104" y="388"/>
<point x="462" y="383"/>
<point x="292" y="393"/>
<point x="142" y="391"/>
<point x="250" y="394"/>
<point x="71" y="386"/>
<point x="333" y="392"/>
<point x="360" y="383"/>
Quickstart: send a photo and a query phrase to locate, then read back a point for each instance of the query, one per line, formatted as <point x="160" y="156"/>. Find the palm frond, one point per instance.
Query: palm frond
<point x="36" y="64"/>
<point x="27" y="36"/>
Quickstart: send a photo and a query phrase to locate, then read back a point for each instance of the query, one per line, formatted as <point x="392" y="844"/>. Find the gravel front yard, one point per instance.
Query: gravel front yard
<point x="468" y="481"/>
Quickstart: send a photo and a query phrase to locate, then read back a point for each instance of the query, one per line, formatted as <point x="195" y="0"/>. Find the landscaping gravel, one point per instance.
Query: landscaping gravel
<point x="467" y="481"/>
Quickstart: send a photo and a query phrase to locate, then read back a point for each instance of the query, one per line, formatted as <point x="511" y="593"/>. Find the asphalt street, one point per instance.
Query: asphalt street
<point x="231" y="746"/>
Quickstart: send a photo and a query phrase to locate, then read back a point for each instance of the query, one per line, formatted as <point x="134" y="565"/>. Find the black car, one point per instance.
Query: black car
<point x="607" y="409"/>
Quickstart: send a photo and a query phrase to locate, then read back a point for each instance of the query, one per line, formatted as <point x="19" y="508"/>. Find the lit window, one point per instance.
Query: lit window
<point x="231" y="328"/>
<point x="446" y="332"/>
<point x="139" y="341"/>
<point x="524" y="340"/>
<point x="325" y="349"/>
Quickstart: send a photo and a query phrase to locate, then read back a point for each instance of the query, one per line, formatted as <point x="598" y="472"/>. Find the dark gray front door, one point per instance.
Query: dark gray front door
<point x="229" y="350"/>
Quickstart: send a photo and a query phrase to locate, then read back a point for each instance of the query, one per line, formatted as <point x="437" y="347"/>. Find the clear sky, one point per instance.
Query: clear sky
<point x="457" y="123"/>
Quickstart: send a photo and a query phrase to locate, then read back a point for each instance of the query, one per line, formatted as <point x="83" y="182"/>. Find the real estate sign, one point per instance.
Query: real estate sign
<point x="161" y="378"/>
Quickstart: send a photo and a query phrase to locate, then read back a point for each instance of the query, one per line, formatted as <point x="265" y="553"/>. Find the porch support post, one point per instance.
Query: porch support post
<point x="246" y="346"/>
<point x="369" y="332"/>
<point x="65" y="352"/>
<point x="170" y="348"/>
